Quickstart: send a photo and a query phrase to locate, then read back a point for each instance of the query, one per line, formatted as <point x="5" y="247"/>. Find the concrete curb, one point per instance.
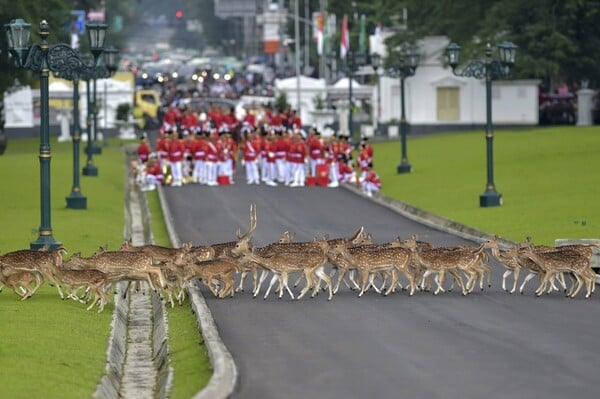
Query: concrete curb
<point x="224" y="378"/>
<point x="110" y="384"/>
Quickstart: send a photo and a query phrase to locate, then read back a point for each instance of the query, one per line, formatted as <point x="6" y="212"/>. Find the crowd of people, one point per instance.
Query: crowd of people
<point x="270" y="145"/>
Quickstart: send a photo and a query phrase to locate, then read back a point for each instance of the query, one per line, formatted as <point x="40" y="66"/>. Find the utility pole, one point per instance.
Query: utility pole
<point x="297" y="34"/>
<point x="307" y="37"/>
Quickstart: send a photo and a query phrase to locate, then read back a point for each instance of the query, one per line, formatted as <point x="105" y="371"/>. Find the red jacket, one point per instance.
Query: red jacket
<point x="143" y="151"/>
<point x="176" y="151"/>
<point x="199" y="149"/>
<point x="297" y="152"/>
<point x="316" y="148"/>
<point x="249" y="152"/>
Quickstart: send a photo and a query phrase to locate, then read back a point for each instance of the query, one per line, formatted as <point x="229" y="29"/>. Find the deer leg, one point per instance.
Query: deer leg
<point x="504" y="276"/>
<point x="273" y="280"/>
<point x="579" y="285"/>
<point x="263" y="276"/>
<point x="411" y="281"/>
<point x="242" y="278"/>
<point x="527" y="278"/>
<point x="308" y="274"/>
<point x="516" y="273"/>
<point x="323" y="276"/>
<point x="341" y="274"/>
<point x="459" y="281"/>
<point x="364" y="277"/>
<point x="393" y="283"/>
<point x="351" y="276"/>
<point x="299" y="279"/>
<point x="439" y="280"/>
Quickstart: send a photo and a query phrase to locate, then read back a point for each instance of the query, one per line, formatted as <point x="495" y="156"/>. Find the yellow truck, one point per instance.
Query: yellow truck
<point x="146" y="103"/>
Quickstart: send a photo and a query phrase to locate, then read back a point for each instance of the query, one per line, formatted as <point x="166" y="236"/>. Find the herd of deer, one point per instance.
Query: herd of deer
<point x="378" y="266"/>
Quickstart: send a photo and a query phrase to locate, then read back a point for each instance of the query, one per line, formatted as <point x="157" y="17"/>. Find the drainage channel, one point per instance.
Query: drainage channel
<point x="137" y="356"/>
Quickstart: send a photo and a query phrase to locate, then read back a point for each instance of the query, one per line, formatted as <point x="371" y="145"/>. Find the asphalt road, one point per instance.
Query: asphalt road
<point x="487" y="345"/>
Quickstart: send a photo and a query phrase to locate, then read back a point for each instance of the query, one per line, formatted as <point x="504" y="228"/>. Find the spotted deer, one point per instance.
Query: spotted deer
<point x="220" y="271"/>
<point x="126" y="265"/>
<point x="569" y="261"/>
<point x="21" y="282"/>
<point x="509" y="259"/>
<point x="439" y="261"/>
<point x="310" y="262"/>
<point x="367" y="261"/>
<point x="32" y="261"/>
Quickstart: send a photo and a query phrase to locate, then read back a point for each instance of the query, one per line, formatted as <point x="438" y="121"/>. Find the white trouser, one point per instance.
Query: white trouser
<point x="334" y="172"/>
<point x="226" y="168"/>
<point x="199" y="175"/>
<point x="176" y="172"/>
<point x="211" y="172"/>
<point x="271" y="171"/>
<point x="369" y="188"/>
<point x="252" y="175"/>
<point x="313" y="165"/>
<point x="298" y="173"/>
<point x="280" y="169"/>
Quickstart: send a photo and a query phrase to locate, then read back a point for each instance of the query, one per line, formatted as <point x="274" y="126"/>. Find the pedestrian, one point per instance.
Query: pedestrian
<point x="176" y="157"/>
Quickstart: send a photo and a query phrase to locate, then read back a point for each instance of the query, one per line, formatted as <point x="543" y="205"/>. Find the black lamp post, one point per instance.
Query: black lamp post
<point x="376" y="62"/>
<point x="76" y="200"/>
<point x="490" y="68"/>
<point x="43" y="58"/>
<point x="102" y="70"/>
<point x="353" y="62"/>
<point x="403" y="65"/>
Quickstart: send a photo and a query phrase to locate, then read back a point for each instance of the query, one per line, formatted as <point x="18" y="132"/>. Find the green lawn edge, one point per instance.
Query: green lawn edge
<point x="547" y="177"/>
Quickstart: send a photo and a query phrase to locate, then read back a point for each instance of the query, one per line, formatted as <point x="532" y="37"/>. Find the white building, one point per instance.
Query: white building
<point x="436" y="98"/>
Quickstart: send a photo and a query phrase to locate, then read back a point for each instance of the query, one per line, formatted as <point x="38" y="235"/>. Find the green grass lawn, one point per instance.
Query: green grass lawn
<point x="52" y="348"/>
<point x="56" y="349"/>
<point x="548" y="178"/>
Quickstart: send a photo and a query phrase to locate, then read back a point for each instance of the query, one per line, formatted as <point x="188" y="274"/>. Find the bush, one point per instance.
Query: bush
<point x="123" y="111"/>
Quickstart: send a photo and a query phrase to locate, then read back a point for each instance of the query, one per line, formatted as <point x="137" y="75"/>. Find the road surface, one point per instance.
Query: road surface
<point x="487" y="345"/>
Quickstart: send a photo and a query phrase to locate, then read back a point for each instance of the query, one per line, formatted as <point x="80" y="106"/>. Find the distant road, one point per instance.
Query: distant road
<point x="487" y="345"/>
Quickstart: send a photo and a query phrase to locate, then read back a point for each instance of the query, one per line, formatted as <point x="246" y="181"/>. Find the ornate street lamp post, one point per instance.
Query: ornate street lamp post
<point x="102" y="71"/>
<point x="403" y="65"/>
<point x="43" y="58"/>
<point x="76" y="200"/>
<point x="376" y="64"/>
<point x="490" y="68"/>
<point x="353" y="62"/>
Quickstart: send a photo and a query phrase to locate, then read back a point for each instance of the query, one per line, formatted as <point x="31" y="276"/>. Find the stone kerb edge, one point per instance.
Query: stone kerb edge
<point x="224" y="378"/>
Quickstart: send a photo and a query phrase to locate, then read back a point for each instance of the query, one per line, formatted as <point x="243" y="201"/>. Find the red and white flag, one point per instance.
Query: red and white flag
<point x="319" y="19"/>
<point x="344" y="38"/>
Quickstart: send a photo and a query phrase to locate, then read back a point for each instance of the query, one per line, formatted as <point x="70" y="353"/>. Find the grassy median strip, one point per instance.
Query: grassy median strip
<point x="188" y="357"/>
<point x="547" y="177"/>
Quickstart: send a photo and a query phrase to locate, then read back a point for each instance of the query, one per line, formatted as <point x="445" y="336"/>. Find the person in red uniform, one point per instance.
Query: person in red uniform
<point x="364" y="159"/>
<point x="162" y="148"/>
<point x="170" y="118"/>
<point x="143" y="149"/>
<point x="294" y="121"/>
<point x="270" y="168"/>
<point x="316" y="150"/>
<point x="282" y="146"/>
<point x="250" y="157"/>
<point x="153" y="174"/>
<point x="199" y="157"/>
<point x="213" y="148"/>
<point x="176" y="156"/>
<point x="371" y="183"/>
<point x="333" y="157"/>
<point x="346" y="173"/>
<point x="297" y="157"/>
